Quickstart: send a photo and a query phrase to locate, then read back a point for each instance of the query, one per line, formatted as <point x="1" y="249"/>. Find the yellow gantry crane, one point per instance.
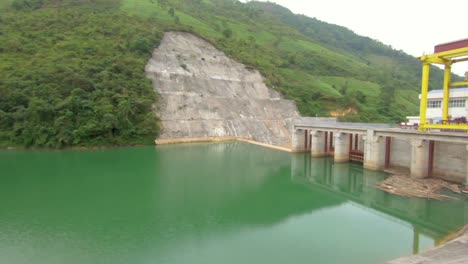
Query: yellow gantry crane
<point x="444" y="54"/>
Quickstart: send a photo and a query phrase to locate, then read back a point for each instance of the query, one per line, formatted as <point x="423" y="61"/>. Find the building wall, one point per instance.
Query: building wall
<point x="455" y="94"/>
<point x="453" y="111"/>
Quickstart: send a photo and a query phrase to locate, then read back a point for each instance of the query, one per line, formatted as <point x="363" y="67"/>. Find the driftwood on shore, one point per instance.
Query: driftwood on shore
<point x="423" y="188"/>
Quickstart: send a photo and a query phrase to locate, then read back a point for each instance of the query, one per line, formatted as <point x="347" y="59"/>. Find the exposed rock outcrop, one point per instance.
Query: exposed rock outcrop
<point x="203" y="93"/>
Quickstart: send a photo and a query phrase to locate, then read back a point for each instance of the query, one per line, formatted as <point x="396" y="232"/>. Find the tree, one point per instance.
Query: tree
<point x="344" y="88"/>
<point x="141" y="45"/>
<point x="171" y="12"/>
<point x="360" y="96"/>
<point x="387" y="97"/>
<point x="27" y="4"/>
<point x="227" y="33"/>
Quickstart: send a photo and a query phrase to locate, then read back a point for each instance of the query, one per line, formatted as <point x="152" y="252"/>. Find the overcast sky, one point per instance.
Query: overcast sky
<point x="403" y="24"/>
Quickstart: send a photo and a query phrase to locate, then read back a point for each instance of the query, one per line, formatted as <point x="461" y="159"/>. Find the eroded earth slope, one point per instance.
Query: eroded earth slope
<point x="203" y="93"/>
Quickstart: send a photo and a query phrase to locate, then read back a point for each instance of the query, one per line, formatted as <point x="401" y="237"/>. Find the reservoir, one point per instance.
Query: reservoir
<point x="207" y="203"/>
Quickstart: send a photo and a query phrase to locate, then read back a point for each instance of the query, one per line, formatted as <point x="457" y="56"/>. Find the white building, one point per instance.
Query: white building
<point x="458" y="105"/>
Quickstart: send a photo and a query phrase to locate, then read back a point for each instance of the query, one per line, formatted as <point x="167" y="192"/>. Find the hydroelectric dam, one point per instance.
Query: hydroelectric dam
<point x="206" y="96"/>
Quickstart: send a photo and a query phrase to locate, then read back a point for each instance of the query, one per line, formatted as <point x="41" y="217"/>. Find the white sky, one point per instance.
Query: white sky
<point x="414" y="26"/>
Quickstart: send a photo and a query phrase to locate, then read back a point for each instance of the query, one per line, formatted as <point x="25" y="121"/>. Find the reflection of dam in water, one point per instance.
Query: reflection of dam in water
<point x="432" y="218"/>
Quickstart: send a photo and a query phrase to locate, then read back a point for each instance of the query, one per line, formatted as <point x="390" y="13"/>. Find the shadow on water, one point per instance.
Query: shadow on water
<point x="205" y="203"/>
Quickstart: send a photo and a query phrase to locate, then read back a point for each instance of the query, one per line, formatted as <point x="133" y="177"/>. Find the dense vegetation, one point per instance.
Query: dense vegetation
<point x="72" y="71"/>
<point x="74" y="76"/>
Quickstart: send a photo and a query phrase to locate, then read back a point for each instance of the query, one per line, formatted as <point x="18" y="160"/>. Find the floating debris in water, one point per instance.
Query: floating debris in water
<point x="422" y="188"/>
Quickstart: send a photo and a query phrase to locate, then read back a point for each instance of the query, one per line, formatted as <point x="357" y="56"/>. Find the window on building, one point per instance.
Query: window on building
<point x="456" y="103"/>
<point x="434" y="104"/>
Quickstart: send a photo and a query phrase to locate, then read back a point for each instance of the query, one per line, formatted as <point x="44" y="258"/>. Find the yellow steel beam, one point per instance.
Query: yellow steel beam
<point x="424" y="90"/>
<point x="447" y="126"/>
<point x="458" y="84"/>
<point x="446" y="56"/>
<point x="451" y="53"/>
<point x="431" y="59"/>
<point x="445" y="99"/>
<point x="460" y="60"/>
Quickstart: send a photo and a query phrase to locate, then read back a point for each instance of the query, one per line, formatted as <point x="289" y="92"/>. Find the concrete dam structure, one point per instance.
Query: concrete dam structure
<point x="204" y="94"/>
<point x="442" y="155"/>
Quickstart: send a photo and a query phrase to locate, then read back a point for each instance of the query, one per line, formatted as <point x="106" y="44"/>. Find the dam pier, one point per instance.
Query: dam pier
<point x="441" y="155"/>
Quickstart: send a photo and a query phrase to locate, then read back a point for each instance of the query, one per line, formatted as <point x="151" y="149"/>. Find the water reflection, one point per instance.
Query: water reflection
<point x="431" y="218"/>
<point x="206" y="203"/>
<point x="239" y="184"/>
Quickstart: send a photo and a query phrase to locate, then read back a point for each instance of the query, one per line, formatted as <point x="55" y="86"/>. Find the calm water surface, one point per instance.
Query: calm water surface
<point x="207" y="203"/>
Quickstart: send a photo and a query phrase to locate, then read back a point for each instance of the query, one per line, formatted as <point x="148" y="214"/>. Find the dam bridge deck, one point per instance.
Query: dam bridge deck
<point x="380" y="146"/>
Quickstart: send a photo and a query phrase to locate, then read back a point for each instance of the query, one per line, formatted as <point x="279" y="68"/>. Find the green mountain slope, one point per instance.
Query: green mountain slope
<point x="323" y="67"/>
<point x="72" y="71"/>
<point x="73" y="75"/>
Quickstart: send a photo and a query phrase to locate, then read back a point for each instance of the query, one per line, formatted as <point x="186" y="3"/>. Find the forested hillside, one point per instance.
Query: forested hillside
<point x="74" y="75"/>
<point x="72" y="72"/>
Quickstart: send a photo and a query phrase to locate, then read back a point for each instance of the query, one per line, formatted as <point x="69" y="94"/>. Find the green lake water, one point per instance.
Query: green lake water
<point x="206" y="203"/>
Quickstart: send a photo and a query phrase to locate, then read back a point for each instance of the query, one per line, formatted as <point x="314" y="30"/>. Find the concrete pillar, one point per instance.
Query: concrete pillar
<point x="318" y="144"/>
<point x="298" y="140"/>
<point x="419" y="158"/>
<point x="341" y="147"/>
<point x="360" y="143"/>
<point x="374" y="151"/>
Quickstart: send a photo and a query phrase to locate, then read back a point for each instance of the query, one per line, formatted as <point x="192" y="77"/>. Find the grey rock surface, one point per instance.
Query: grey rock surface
<point x="203" y="93"/>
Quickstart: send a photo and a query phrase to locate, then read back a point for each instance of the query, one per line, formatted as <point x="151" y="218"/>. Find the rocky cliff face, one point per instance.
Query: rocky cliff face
<point x="203" y="93"/>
